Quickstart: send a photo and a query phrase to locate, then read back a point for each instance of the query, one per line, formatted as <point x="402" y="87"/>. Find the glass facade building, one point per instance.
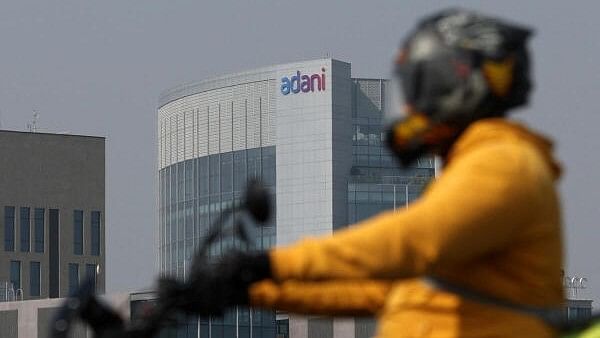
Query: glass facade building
<point x="193" y="194"/>
<point x="319" y="149"/>
<point x="377" y="182"/>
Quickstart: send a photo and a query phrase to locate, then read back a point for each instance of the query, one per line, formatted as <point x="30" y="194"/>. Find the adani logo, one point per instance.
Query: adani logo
<point x="303" y="83"/>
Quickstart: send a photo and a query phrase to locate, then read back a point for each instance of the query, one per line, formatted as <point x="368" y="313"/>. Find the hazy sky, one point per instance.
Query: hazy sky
<point x="97" y="67"/>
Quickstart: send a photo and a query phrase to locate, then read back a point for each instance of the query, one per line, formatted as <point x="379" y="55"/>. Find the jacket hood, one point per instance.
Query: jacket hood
<point x="490" y="130"/>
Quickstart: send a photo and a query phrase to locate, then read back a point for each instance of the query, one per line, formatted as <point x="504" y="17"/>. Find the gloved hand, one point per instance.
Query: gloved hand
<point x="225" y="283"/>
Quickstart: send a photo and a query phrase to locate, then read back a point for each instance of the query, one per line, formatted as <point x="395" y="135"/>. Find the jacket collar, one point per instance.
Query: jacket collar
<point x="495" y="129"/>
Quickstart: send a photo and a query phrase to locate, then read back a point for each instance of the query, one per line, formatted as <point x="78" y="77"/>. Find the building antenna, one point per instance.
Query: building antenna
<point x="32" y="125"/>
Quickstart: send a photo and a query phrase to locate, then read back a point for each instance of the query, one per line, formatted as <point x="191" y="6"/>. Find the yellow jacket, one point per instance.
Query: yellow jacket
<point x="491" y="223"/>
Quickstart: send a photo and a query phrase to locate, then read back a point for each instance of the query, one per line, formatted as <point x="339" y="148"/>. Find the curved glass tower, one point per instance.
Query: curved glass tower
<point x="312" y="134"/>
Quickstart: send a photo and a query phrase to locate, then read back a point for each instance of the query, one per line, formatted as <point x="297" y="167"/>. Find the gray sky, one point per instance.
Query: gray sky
<point x="97" y="67"/>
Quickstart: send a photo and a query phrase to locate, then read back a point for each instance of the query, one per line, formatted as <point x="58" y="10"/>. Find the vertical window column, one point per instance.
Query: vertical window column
<point x="95" y="233"/>
<point x="78" y="232"/>
<point x="214" y="173"/>
<point x="73" y="278"/>
<point x="38" y="219"/>
<point x="90" y="274"/>
<point x="34" y="279"/>
<point x="15" y="274"/>
<point x="53" y="252"/>
<point x="9" y="228"/>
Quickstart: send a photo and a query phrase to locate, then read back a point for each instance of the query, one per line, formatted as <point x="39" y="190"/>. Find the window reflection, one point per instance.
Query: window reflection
<point x="377" y="182"/>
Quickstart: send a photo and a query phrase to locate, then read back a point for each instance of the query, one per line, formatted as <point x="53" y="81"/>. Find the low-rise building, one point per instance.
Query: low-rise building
<point x="51" y="214"/>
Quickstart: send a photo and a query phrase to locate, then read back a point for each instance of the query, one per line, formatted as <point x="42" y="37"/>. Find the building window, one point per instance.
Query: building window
<point x="15" y="274"/>
<point x="268" y="166"/>
<point x="78" y="232"/>
<point x="25" y="229"/>
<point x="95" y="233"/>
<point x="254" y="163"/>
<point x="239" y="170"/>
<point x="38" y="219"/>
<point x="53" y="252"/>
<point x="34" y="279"/>
<point x="214" y="175"/>
<point x="9" y="228"/>
<point x="226" y="172"/>
<point x="90" y="275"/>
<point x="283" y="328"/>
<point x="73" y="278"/>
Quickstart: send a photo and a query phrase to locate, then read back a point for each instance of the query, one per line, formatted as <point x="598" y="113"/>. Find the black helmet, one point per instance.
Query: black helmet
<point x="458" y="66"/>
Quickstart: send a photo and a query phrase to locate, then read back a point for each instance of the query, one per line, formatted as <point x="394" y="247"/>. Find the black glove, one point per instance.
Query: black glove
<point x="212" y="290"/>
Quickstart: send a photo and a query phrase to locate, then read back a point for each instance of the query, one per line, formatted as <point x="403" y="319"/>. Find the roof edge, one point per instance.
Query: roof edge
<point x="177" y="92"/>
<point x="52" y="134"/>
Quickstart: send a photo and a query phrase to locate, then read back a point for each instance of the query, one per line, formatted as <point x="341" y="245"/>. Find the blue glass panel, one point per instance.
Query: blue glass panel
<point x="254" y="163"/>
<point x="180" y="181"/>
<point x="268" y="166"/>
<point x="96" y="226"/>
<point x="189" y="180"/>
<point x="203" y="177"/>
<point x="239" y="170"/>
<point x="216" y="330"/>
<point x="226" y="172"/>
<point x="78" y="232"/>
<point x="90" y="275"/>
<point x="15" y="274"/>
<point x="34" y="279"/>
<point x="73" y="278"/>
<point x="214" y="175"/>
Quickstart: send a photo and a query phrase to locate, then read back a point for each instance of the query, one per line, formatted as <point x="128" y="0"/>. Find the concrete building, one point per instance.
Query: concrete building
<point x="33" y="318"/>
<point x="51" y="214"/>
<point x="312" y="133"/>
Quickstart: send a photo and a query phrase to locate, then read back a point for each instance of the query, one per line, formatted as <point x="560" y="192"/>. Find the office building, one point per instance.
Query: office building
<point x="33" y="318"/>
<point x="312" y="133"/>
<point x="51" y="214"/>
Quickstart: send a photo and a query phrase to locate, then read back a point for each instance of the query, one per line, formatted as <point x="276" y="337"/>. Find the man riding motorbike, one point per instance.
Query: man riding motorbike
<point x="479" y="254"/>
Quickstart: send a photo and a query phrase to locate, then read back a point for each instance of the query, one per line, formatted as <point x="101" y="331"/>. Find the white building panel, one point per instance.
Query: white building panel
<point x="188" y="122"/>
<point x="213" y="125"/>
<point x="203" y="127"/>
<point x="239" y="123"/>
<point x="253" y="123"/>
<point x="268" y="122"/>
<point x="226" y="123"/>
<point x="303" y="131"/>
